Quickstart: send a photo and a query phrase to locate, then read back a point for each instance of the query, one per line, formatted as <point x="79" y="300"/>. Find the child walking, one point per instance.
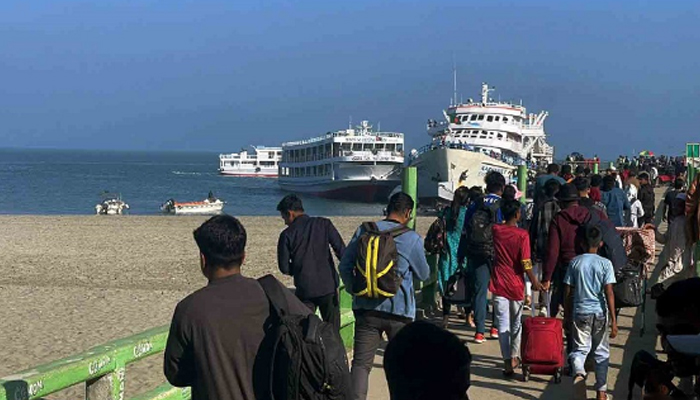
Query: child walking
<point x="511" y="263"/>
<point x="590" y="279"/>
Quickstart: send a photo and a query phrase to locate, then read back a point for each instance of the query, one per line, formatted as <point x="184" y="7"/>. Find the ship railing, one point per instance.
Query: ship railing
<point x="340" y="134"/>
<point x="342" y="153"/>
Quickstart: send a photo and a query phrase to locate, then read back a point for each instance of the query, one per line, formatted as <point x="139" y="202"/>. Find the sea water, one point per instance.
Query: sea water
<point x="71" y="182"/>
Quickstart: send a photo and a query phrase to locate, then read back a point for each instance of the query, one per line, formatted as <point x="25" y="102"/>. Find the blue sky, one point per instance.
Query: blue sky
<point x="208" y="75"/>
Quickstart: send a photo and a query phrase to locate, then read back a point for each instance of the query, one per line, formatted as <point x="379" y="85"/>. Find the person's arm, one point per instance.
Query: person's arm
<point x="527" y="264"/>
<point x="335" y="240"/>
<point x="418" y="262"/>
<point x="552" y="254"/>
<point x="610" y="296"/>
<point x="283" y="254"/>
<point x="178" y="364"/>
<point x="625" y="202"/>
<point x="347" y="262"/>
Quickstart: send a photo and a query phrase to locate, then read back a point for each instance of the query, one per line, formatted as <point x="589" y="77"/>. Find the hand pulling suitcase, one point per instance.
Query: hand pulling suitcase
<point x="542" y="349"/>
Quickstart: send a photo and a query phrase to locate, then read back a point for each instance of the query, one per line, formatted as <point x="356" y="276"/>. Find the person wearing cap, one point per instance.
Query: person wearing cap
<point x="678" y="322"/>
<point x="561" y="246"/>
<point x="647" y="197"/>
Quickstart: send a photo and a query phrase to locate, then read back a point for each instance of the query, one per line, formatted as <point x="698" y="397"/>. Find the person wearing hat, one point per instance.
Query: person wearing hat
<point x="647" y="197"/>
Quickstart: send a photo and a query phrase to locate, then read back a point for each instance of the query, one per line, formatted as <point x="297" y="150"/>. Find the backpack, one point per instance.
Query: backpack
<point x="613" y="249"/>
<point x="436" y="238"/>
<point x="309" y="361"/>
<point x="629" y="289"/>
<point x="375" y="275"/>
<point x="479" y="229"/>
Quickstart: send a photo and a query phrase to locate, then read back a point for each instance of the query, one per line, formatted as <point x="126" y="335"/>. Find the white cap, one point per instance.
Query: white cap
<point x="685" y="344"/>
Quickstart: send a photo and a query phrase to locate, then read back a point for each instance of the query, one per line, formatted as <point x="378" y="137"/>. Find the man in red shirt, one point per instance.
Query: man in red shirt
<point x="511" y="262"/>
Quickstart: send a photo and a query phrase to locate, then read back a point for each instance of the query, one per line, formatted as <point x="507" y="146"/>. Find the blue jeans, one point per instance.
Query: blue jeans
<point x="481" y="276"/>
<point x="589" y="332"/>
<point x="509" y="314"/>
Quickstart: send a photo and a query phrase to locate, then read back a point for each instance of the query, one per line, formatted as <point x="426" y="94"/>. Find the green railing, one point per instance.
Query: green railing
<point x="103" y="368"/>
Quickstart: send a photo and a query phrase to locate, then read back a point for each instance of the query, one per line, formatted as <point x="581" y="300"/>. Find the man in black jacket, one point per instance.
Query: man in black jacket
<point x="303" y="251"/>
<point x="647" y="197"/>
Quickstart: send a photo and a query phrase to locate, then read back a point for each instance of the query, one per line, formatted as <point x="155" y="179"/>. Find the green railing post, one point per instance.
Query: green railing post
<point x="106" y="387"/>
<point x="596" y="167"/>
<point x="522" y="181"/>
<point x="409" y="185"/>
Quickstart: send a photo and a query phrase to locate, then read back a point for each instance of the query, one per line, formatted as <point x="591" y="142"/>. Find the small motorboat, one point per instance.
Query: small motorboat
<point x="111" y="205"/>
<point x="208" y="206"/>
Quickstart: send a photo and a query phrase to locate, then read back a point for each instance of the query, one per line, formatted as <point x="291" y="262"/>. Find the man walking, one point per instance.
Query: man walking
<point x="647" y="197"/>
<point x="378" y="315"/>
<point x="552" y="173"/>
<point x="216" y="336"/>
<point x="304" y="252"/>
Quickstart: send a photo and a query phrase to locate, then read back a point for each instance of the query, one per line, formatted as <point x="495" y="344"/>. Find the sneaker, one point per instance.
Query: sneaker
<point x="543" y="312"/>
<point x="479" y="338"/>
<point x="527" y="307"/>
<point x="494" y="333"/>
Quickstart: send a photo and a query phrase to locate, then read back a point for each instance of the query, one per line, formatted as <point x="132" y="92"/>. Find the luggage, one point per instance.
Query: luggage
<point x="309" y="361"/>
<point x="479" y="232"/>
<point x="613" y="248"/>
<point x="629" y="289"/>
<point x="542" y="349"/>
<point x="457" y="290"/>
<point x="436" y="238"/>
<point x="375" y="275"/>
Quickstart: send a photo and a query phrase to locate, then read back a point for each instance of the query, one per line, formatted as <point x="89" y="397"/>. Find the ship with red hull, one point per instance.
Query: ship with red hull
<point x="354" y="164"/>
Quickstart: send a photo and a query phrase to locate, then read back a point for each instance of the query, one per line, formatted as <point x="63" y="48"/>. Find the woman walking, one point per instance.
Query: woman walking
<point x="449" y="265"/>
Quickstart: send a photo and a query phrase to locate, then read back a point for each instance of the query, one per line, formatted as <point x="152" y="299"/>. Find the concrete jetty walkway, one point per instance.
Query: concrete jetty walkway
<point x="488" y="381"/>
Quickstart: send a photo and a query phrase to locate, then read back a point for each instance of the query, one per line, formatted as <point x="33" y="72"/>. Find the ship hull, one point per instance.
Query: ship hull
<point x="442" y="170"/>
<point x="367" y="184"/>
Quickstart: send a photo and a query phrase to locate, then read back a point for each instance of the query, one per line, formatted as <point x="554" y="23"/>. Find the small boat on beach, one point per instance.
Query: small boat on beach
<point x="209" y="206"/>
<point x="112" y="204"/>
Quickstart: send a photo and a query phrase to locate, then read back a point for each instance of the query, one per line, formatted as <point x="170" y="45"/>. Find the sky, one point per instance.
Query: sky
<point x="615" y="77"/>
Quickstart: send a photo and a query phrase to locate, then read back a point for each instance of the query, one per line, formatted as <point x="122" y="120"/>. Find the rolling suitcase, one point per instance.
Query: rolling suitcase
<point x="542" y="350"/>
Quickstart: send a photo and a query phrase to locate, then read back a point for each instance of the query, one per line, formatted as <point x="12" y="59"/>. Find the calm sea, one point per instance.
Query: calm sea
<point x="71" y="182"/>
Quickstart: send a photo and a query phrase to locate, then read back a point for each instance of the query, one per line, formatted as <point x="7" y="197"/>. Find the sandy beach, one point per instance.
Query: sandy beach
<point x="70" y="283"/>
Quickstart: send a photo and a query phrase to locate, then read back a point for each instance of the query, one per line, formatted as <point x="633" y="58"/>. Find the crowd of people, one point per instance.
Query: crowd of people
<point x="242" y="338"/>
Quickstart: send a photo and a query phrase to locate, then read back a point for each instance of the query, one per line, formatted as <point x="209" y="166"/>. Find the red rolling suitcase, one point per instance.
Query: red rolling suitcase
<point x="542" y="349"/>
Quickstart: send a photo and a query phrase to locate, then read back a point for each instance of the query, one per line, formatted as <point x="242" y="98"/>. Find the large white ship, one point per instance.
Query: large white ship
<point x="263" y="162"/>
<point x="475" y="138"/>
<point x="356" y="164"/>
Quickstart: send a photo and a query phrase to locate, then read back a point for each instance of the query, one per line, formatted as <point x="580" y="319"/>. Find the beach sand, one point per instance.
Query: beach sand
<point x="68" y="283"/>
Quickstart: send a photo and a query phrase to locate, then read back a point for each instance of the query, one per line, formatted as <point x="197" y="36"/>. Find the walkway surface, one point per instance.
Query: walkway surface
<point x="489" y="383"/>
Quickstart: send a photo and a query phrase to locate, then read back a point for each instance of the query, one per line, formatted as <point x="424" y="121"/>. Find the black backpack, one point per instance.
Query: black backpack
<point x="375" y="274"/>
<point x="479" y="229"/>
<point x="613" y="249"/>
<point x="435" y="239"/>
<point x="309" y="361"/>
<point x="629" y="289"/>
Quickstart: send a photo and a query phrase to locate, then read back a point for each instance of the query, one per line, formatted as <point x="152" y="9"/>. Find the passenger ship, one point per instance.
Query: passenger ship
<point x="353" y="164"/>
<point x="264" y="163"/>
<point x="475" y="138"/>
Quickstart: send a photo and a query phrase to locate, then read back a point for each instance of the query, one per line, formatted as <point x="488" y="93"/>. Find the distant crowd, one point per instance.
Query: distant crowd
<point x="561" y="259"/>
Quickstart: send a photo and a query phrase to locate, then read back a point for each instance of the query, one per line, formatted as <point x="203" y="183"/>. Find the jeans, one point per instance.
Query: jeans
<point x="329" y="307"/>
<point x="481" y="276"/>
<point x="509" y="321"/>
<point x="590" y="334"/>
<point x="368" y="336"/>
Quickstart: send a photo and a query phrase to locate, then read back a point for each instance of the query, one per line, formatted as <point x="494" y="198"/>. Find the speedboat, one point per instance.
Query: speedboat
<point x="111" y="205"/>
<point x="209" y="206"/>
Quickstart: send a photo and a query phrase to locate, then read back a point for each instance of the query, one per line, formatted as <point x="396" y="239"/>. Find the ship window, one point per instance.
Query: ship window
<point x="391" y="147"/>
<point x="399" y="147"/>
<point x="473" y="118"/>
<point x="489" y="118"/>
<point x="357" y="147"/>
<point x="481" y="117"/>
<point x="505" y="120"/>
<point x="346" y="147"/>
<point x="483" y="135"/>
<point x="500" y="136"/>
<point x="498" y="118"/>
